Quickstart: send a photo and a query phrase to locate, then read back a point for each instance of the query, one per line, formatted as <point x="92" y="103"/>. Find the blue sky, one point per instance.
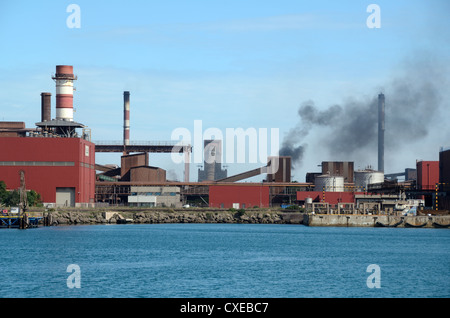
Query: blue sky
<point x="230" y="64"/>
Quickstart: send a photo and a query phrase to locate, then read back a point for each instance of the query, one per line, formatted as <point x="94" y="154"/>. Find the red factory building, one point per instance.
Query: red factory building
<point x="238" y="196"/>
<point x="61" y="170"/>
<point x="427" y="180"/>
<point x="248" y="196"/>
<point x="427" y="175"/>
<point x="57" y="161"/>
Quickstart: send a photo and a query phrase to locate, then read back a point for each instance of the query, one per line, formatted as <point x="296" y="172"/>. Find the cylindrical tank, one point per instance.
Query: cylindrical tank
<point x="64" y="92"/>
<point x="46" y="108"/>
<point x="329" y="183"/>
<point x="308" y="200"/>
<point x="365" y="177"/>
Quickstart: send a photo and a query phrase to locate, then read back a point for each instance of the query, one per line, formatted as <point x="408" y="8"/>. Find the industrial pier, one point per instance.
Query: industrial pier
<point x="22" y="221"/>
<point x="58" y="160"/>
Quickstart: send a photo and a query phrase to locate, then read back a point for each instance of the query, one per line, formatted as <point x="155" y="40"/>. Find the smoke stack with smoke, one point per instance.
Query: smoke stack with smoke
<point x="351" y="128"/>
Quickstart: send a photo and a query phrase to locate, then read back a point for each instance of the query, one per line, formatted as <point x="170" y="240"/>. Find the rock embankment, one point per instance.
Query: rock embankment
<point x="71" y="218"/>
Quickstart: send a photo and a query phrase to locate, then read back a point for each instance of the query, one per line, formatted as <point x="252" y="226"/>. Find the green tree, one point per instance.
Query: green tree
<point x="3" y="193"/>
<point x="13" y="198"/>
<point x="33" y="198"/>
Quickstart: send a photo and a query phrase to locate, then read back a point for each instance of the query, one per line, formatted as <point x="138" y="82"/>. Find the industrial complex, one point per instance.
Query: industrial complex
<point x="56" y="158"/>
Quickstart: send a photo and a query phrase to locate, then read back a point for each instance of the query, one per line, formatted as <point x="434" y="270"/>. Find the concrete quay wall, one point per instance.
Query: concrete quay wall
<point x="363" y="220"/>
<point x="167" y="216"/>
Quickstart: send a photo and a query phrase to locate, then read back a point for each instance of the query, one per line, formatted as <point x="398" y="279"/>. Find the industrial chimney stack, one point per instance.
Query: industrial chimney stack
<point x="46" y="110"/>
<point x="381" y="128"/>
<point x="64" y="92"/>
<point x="126" y="118"/>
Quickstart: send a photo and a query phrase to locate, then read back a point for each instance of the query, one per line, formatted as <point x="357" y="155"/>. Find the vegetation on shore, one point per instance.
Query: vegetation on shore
<point x="12" y="198"/>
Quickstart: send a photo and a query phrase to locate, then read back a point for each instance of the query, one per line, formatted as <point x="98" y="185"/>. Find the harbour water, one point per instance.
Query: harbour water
<point x="224" y="260"/>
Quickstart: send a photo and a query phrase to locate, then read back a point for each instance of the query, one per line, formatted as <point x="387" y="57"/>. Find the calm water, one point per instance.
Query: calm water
<point x="224" y="260"/>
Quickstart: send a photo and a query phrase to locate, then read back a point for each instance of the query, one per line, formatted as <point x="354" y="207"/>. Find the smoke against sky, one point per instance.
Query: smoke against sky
<point x="349" y="130"/>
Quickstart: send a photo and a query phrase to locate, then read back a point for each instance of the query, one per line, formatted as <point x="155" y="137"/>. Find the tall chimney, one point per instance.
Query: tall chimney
<point x="126" y="118"/>
<point x="64" y="92"/>
<point x="381" y="129"/>
<point x="46" y="108"/>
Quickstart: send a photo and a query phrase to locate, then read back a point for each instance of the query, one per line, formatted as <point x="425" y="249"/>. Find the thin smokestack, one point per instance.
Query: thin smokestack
<point x="381" y="128"/>
<point x="126" y="118"/>
<point x="46" y="108"/>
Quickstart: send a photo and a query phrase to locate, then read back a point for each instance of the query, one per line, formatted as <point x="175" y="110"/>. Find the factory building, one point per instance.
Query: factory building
<point x="12" y="129"/>
<point x="444" y="179"/>
<point x="427" y="180"/>
<point x="146" y="173"/>
<point x="339" y="168"/>
<point x="132" y="161"/>
<point x="56" y="160"/>
<point x="427" y="175"/>
<point x="332" y="198"/>
<point x="444" y="165"/>
<point x="410" y="174"/>
<point x="61" y="170"/>
<point x="238" y="196"/>
<point x="134" y="168"/>
<point x="155" y="196"/>
<point x="344" y="169"/>
<point x="279" y="169"/>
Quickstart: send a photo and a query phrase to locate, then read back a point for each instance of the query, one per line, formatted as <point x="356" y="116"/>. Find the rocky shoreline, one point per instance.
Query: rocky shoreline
<point x="55" y="218"/>
<point x="74" y="218"/>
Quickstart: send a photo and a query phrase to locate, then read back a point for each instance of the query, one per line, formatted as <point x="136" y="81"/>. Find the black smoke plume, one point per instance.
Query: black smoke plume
<point x="349" y="130"/>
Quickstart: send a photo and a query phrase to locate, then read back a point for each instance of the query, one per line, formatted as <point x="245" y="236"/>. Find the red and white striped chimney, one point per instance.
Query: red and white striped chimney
<point x="126" y="118"/>
<point x="64" y="92"/>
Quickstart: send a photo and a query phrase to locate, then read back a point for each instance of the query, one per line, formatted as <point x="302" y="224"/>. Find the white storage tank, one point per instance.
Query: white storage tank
<point x="329" y="183"/>
<point x="365" y="177"/>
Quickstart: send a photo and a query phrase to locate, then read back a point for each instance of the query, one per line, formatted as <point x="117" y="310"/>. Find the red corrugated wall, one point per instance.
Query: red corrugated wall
<point x="427" y="174"/>
<point x="45" y="179"/>
<point x="223" y="196"/>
